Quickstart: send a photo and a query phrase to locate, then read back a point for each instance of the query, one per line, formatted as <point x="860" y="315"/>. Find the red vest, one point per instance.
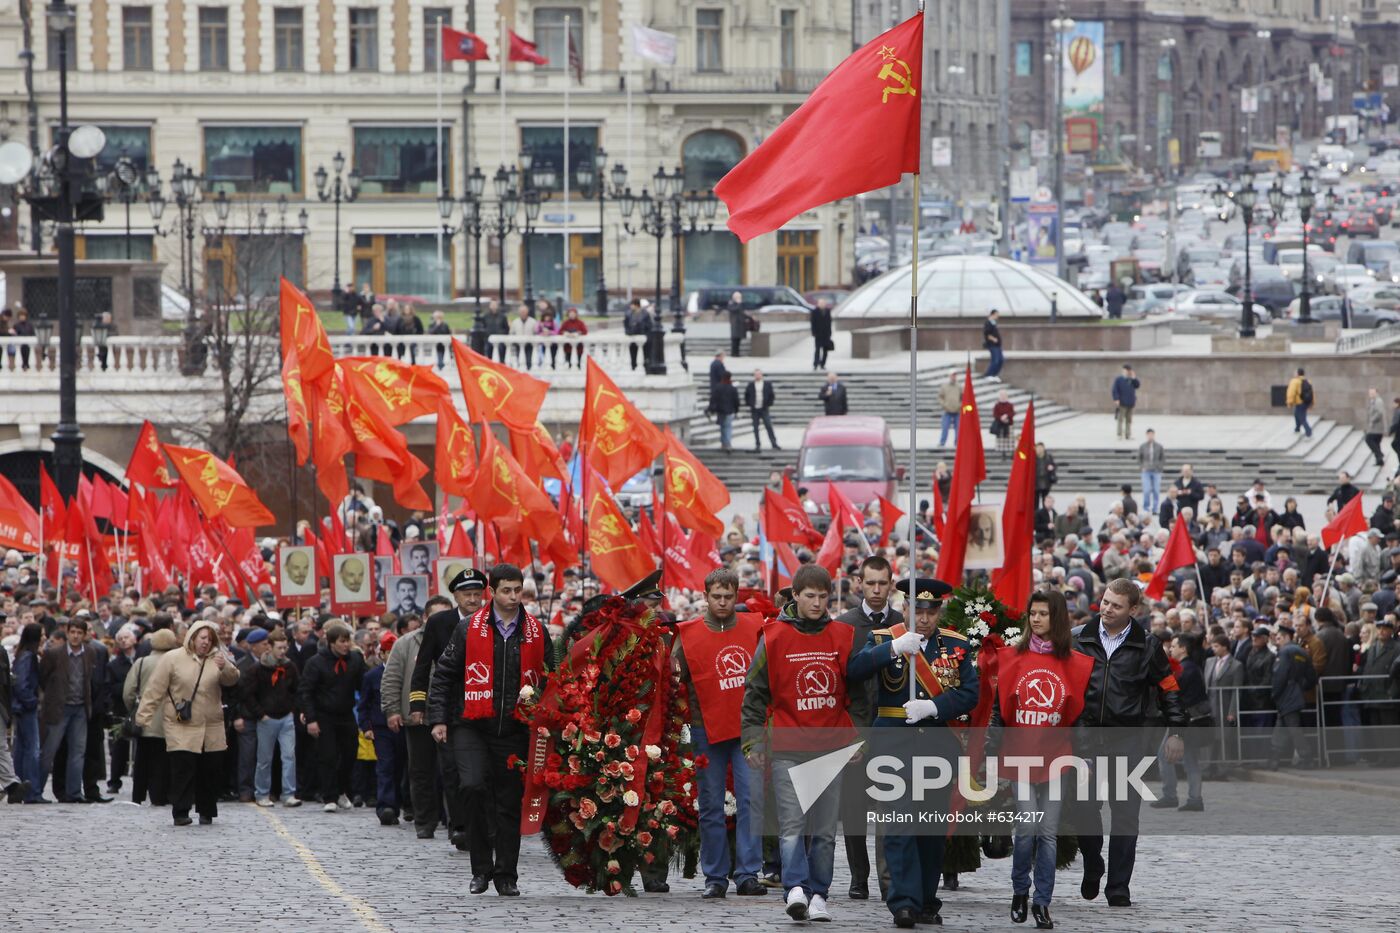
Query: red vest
<point x="719" y="663"/>
<point x="807" y="686"/>
<point x="1040" y="696"/>
<point x="479" y="667"/>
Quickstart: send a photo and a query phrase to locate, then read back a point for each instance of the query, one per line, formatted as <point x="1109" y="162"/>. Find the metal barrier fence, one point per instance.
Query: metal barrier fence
<point x="1339" y="724"/>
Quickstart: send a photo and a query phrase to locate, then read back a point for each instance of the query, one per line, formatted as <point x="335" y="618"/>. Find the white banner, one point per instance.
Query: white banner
<point x="654" y="45"/>
<point x="1023" y="183"/>
<point x="1249" y="100"/>
<point x="1390" y="75"/>
<point x="1324" y="90"/>
<point x="1040" y="144"/>
<point x="941" y="151"/>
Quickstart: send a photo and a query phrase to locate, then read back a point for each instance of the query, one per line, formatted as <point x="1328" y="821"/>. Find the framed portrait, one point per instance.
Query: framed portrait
<point x="446" y="568"/>
<point x="383" y="567"/>
<point x="352" y="584"/>
<point x="407" y="592"/>
<point x="297" y="582"/>
<point x="985" y="549"/>
<point x="416" y="557"/>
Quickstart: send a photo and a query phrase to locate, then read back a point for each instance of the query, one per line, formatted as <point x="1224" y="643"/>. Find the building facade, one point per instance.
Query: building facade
<point x="259" y="97"/>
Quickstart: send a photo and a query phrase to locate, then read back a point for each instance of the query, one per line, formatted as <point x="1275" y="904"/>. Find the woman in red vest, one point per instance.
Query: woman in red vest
<point x="1040" y="694"/>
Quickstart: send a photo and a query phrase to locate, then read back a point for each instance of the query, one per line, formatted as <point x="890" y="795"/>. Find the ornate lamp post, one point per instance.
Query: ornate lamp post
<point x="593" y="180"/>
<point x="339" y="188"/>
<point x="652" y="222"/>
<point x="122" y="184"/>
<point x="472" y="225"/>
<point x="501" y="224"/>
<point x="1245" y="198"/>
<point x="694" y="203"/>
<point x="537" y="180"/>
<point x="1306" y="199"/>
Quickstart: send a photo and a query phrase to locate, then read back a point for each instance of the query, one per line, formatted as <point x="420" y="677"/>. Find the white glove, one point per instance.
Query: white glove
<point x="917" y="710"/>
<point x="908" y="643"/>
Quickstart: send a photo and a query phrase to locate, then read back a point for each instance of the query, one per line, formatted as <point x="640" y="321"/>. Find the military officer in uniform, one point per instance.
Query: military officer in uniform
<point x="945" y="688"/>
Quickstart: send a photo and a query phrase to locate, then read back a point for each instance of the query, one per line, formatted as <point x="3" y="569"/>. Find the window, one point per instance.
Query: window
<point x="132" y="142"/>
<point x="1025" y="59"/>
<point x="114" y="246"/>
<point x="364" y="39"/>
<point x="400" y="159"/>
<point x="434" y="18"/>
<point x="1164" y="68"/>
<point x="54" y="39"/>
<point x="136" y="39"/>
<point x="549" y="35"/>
<point x="249" y="266"/>
<point x="288" y="39"/>
<point x="709" y="40"/>
<point x="712" y="260"/>
<point x="787" y="40"/>
<point x="401" y="264"/>
<point x="1115" y="58"/>
<point x="797" y="259"/>
<point x="213" y="38"/>
<point x="547" y="145"/>
<point x="707" y="155"/>
<point x="265" y="159"/>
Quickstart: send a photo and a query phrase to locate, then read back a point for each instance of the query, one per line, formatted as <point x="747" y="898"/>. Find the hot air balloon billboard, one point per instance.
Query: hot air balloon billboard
<point x="1082" y="65"/>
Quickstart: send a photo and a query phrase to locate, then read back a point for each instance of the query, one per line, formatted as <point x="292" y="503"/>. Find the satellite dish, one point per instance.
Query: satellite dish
<point x="86" y="141"/>
<point x="15" y="162"/>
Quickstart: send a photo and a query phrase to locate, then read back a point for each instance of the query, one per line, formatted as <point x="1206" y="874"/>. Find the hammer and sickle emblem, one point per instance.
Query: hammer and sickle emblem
<point x="892" y="69"/>
<point x="477" y="673"/>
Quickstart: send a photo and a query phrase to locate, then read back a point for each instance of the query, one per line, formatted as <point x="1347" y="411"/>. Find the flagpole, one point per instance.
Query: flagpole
<point x="501" y="83"/>
<point x="568" y="78"/>
<point x="909" y="606"/>
<point x="1331" y="563"/>
<point x="43" y="551"/>
<point x="618" y="252"/>
<point x="666" y="511"/>
<point x="440" y="191"/>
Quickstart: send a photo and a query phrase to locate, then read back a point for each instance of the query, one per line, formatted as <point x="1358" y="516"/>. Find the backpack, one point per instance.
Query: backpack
<point x="1306" y="393"/>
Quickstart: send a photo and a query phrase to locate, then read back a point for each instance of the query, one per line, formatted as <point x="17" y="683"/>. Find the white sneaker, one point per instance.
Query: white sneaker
<point x="797" y="904"/>
<point x="291" y="801"/>
<point x="264" y="802"/>
<point x="817" y="911"/>
<point x="344" y="803"/>
<point x="329" y="808"/>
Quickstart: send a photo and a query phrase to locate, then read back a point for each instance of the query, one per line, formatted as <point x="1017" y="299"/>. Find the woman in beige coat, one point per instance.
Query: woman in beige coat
<point x="185" y="690"/>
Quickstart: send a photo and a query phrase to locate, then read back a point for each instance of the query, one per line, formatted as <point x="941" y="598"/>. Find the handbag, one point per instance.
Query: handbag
<point x="184" y="709"/>
<point x="752" y="323"/>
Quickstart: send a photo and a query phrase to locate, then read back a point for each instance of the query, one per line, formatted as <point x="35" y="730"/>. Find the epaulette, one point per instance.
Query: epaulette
<point x="882" y="631"/>
<point x="953" y="633"/>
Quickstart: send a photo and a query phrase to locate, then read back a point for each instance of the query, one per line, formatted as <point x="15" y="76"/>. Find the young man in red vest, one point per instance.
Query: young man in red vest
<point x="712" y="656"/>
<point x="471" y="705"/>
<point x="798" y="677"/>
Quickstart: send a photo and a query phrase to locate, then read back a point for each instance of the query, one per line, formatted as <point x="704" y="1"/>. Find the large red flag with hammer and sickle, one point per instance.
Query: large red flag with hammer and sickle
<point x="616" y="553"/>
<point x="454" y="462"/>
<point x="392" y="391"/>
<point x="617" y="440"/>
<point x="147" y="463"/>
<point x="495" y="392"/>
<point x="302" y="330"/>
<point x="218" y="488"/>
<point x="694" y="495"/>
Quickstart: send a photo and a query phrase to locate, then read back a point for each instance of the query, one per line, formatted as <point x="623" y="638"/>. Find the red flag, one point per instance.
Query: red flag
<point x="617" y="555"/>
<point x="681" y="569"/>
<point x="1011" y="582"/>
<point x="704" y="551"/>
<point x="101" y="502"/>
<point x="536" y="452"/>
<point x="460" y="544"/>
<point x="787" y="522"/>
<point x="298" y="415"/>
<point x="495" y="392"/>
<point x="646" y="531"/>
<point x="617" y="440"/>
<point x="51" y="504"/>
<point x="523" y="50"/>
<point x="147" y="463"/>
<point x="19" y="523"/>
<point x="694" y="495"/>
<point x="939" y="518"/>
<point x="843" y="511"/>
<point x="1349" y="521"/>
<point x="384" y="548"/>
<point x="394" y="392"/>
<point x="301" y="329"/>
<point x="462" y="46"/>
<point x="381" y="453"/>
<point x="1179" y="553"/>
<point x="872" y="95"/>
<point x="503" y="491"/>
<point x="323" y="557"/>
<point x="327" y="404"/>
<point x="969" y="469"/>
<point x="890" y="514"/>
<point x="217" y="487"/>
<point x="454" y="458"/>
<point x="832" y="549"/>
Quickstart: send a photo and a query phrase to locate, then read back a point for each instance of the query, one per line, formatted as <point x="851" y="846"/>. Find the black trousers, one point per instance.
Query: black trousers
<point x="491" y="793"/>
<point x="422" y="777"/>
<point x="306" y="763"/>
<point x="1373" y="441"/>
<point x="195" y="780"/>
<point x="94" y="758"/>
<point x="819" y="352"/>
<point x="121" y="758"/>
<point x="150" y="771"/>
<point x="335" y="755"/>
<point x="1122" y="844"/>
<point x="247" y="755"/>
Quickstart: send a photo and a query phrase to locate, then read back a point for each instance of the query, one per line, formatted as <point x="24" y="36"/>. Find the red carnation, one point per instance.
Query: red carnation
<point x="644" y="839"/>
<point x="587" y="808"/>
<point x="612" y="740"/>
<point x="988" y="617"/>
<point x="634" y="715"/>
<point x="513" y="762"/>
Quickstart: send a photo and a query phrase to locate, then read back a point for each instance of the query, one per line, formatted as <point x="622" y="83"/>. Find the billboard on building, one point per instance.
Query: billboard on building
<point x="1042" y="219"/>
<point x="1081" y="65"/>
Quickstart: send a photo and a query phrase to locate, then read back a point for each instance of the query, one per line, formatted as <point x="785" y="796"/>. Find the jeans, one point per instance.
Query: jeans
<point x="995" y="361"/>
<point x="26" y="752"/>
<point x="1300" y="420"/>
<point x="390" y="762"/>
<point x="1191" y="761"/>
<point x="726" y="431"/>
<point x="1123" y="418"/>
<point x="714" y="837"/>
<point x="762" y="415"/>
<point x="8" y="774"/>
<point x="807" y="862"/>
<point x="282" y="734"/>
<point x="1151" y="491"/>
<point x="72" y="726"/>
<point x="352" y="325"/>
<point x="1033" y="844"/>
<point x="950" y="421"/>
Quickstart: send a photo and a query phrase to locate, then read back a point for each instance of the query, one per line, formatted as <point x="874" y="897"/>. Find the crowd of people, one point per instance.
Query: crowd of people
<point x="190" y="700"/>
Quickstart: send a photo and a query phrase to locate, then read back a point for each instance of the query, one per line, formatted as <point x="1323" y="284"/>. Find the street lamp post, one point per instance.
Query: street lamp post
<point x="340" y="188"/>
<point x="1061" y="24"/>
<point x="595" y="178"/>
<point x="1245" y="198"/>
<point x="472" y="226"/>
<point x="537" y="180"/>
<point x="122" y="183"/>
<point x="1330" y="202"/>
<point x="1305" y="205"/>
<point x="694" y="203"/>
<point x="500" y="225"/>
<point x="651" y="221"/>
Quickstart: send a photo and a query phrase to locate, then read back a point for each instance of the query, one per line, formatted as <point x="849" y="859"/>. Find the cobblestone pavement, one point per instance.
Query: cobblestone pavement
<point x="122" y="867"/>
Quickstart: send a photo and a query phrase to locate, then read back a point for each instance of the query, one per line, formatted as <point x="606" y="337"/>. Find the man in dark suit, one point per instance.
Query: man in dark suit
<point x="65" y="675"/>
<point x="820" y="321"/>
<point x="758" y="396"/>
<point x="1045" y="517"/>
<point x="874" y="612"/>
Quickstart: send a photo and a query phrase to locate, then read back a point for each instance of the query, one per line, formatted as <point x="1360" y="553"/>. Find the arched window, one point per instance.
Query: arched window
<point x="707" y="155"/>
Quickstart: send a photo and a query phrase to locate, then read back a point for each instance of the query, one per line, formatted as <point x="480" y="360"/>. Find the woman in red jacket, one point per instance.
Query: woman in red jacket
<point x="1039" y="695"/>
<point x="573" y="325"/>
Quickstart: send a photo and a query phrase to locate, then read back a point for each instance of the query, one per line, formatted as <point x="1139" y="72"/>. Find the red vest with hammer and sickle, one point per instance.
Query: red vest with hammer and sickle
<point x="807" y="683"/>
<point x="1040" y="696"/>
<point x="719" y="663"/>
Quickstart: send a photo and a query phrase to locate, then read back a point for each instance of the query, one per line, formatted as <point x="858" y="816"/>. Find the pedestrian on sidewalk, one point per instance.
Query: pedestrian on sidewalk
<point x="724" y="404"/>
<point x="833" y="395"/>
<point x="1299" y="397"/>
<point x="1003" y="413"/>
<point x="717" y="371"/>
<point x="991" y="342"/>
<point x="1125" y="397"/>
<point x="1045" y="475"/>
<point x="821" y="333"/>
<point x="758" y="396"/>
<point x="738" y="322"/>
<point x="950" y="398"/>
<point x="636" y="323"/>
<point x="1113" y="301"/>
<point x="1152" y="459"/>
<point x="1375" y="424"/>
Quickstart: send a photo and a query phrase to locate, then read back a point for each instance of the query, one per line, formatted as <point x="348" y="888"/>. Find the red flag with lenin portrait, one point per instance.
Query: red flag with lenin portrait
<point x="870" y="100"/>
<point x="495" y="392"/>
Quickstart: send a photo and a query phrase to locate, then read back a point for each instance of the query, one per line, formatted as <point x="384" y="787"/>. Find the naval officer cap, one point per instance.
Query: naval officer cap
<point x="469" y="579"/>
<point x="929" y="592"/>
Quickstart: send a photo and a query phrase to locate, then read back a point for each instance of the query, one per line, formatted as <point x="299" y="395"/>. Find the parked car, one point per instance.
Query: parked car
<point x="1217" y="305"/>
<point x="1270" y="288"/>
<point x="853" y="450"/>
<point x="1152" y="299"/>
<point x="1375" y="255"/>
<point x="755" y="298"/>
<point x="1345" y="276"/>
<point x="1329" y="308"/>
<point x="1384" y="295"/>
<point x="1361" y="223"/>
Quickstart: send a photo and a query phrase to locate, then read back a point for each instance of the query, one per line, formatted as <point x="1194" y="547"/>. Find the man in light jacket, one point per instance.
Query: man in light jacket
<point x="1375" y="424"/>
<point x="1152" y="459"/>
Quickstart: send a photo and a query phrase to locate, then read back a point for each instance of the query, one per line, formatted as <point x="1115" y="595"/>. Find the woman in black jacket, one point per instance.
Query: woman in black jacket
<point x="1183" y="651"/>
<point x="1291" y="517"/>
<point x="327" y="704"/>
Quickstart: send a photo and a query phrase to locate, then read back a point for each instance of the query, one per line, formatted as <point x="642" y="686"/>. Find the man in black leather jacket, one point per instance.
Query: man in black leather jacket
<point x="1130" y="671"/>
